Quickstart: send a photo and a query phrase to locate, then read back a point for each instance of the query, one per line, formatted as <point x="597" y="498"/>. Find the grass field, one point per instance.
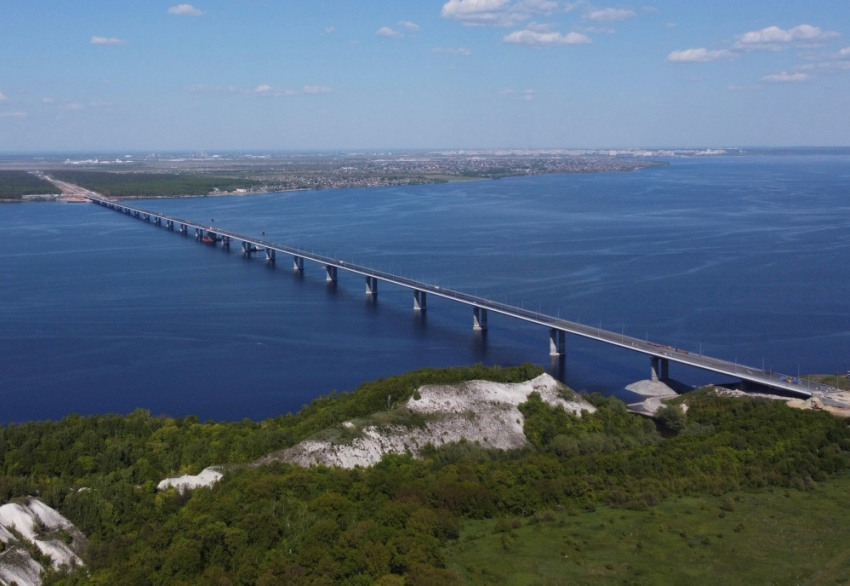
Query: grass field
<point x="774" y="536"/>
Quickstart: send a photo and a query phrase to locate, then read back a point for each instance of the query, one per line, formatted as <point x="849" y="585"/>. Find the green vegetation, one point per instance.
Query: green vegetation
<point x="839" y="381"/>
<point x="768" y="536"/>
<point x="591" y="486"/>
<point x="151" y="184"/>
<point x="14" y="184"/>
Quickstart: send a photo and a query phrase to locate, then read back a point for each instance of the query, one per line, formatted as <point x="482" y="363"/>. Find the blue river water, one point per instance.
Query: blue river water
<point x="741" y="258"/>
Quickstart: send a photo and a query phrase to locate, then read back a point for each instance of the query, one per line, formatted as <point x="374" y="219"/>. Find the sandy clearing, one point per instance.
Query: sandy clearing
<point x="207" y="477"/>
<point x="477" y="411"/>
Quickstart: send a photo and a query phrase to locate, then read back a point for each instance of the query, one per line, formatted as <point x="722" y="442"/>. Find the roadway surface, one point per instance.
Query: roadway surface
<point x="771" y="380"/>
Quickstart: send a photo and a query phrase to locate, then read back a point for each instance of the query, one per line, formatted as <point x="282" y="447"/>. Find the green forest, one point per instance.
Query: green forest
<point x="141" y="184"/>
<point x="14" y="184"/>
<point x="585" y="486"/>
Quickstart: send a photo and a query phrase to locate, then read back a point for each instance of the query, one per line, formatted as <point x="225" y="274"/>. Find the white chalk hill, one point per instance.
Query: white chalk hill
<point x="29" y="523"/>
<point x="477" y="411"/>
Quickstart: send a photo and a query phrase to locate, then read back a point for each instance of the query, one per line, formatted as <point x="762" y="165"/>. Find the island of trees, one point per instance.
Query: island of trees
<point x="140" y="184"/>
<point x="16" y="184"/>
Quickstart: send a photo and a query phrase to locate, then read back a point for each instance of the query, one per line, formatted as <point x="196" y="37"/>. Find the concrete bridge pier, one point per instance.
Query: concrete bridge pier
<point x="371" y="286"/>
<point x="198" y="234"/>
<point x="248" y="248"/>
<point x="184" y="229"/>
<point x="660" y="369"/>
<point x="270" y="255"/>
<point x="169" y="224"/>
<point x="225" y="242"/>
<point x="479" y="319"/>
<point x="148" y="218"/>
<point x="557" y="342"/>
<point x="298" y="264"/>
<point x="420" y="300"/>
<point x="331" y="278"/>
<point x="157" y="221"/>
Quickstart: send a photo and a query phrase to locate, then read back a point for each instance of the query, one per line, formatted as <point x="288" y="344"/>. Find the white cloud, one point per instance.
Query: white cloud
<point x="785" y="77"/>
<point x="47" y="100"/>
<point x="671" y="25"/>
<point x="74" y="106"/>
<point x="774" y="38"/>
<point x="459" y="51"/>
<point x="388" y="33"/>
<point x="267" y="91"/>
<point x="106" y="41"/>
<point x="411" y="26"/>
<point x="185" y="10"/>
<point x="314" y="90"/>
<point x="330" y="30"/>
<point x="743" y="88"/>
<point x="3" y="97"/>
<point x="609" y="14"/>
<point x="524" y="95"/>
<point x="261" y="91"/>
<point x="13" y="115"/>
<point x="497" y="12"/>
<point x="700" y="55"/>
<point x="537" y="36"/>
<point x="844" y="52"/>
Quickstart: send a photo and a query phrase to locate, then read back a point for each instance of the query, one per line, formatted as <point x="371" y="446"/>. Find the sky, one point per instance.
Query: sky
<point x="86" y="75"/>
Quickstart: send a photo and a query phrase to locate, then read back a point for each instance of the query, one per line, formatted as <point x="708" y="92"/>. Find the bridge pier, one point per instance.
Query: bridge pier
<point x="169" y="224"/>
<point x="184" y="229"/>
<point x="371" y="286"/>
<point x="147" y="218"/>
<point x="557" y="342"/>
<point x="298" y="264"/>
<point x="660" y="368"/>
<point x="270" y="255"/>
<point x="248" y="249"/>
<point x="420" y="300"/>
<point x="157" y="221"/>
<point x="331" y="278"/>
<point x="225" y="242"/>
<point x="198" y="233"/>
<point x="479" y="319"/>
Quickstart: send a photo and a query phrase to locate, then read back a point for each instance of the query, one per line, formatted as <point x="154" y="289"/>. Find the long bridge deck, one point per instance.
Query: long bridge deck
<point x="660" y="355"/>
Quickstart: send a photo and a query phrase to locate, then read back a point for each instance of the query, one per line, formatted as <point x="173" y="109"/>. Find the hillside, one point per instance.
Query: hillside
<point x="429" y="519"/>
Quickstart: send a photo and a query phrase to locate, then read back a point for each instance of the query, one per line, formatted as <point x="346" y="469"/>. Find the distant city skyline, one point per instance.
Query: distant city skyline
<point x="457" y="74"/>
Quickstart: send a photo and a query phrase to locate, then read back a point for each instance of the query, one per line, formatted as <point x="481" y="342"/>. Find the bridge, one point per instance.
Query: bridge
<point x="660" y="355"/>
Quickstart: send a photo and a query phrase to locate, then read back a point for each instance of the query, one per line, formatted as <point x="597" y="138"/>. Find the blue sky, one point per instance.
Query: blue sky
<point x="392" y="74"/>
